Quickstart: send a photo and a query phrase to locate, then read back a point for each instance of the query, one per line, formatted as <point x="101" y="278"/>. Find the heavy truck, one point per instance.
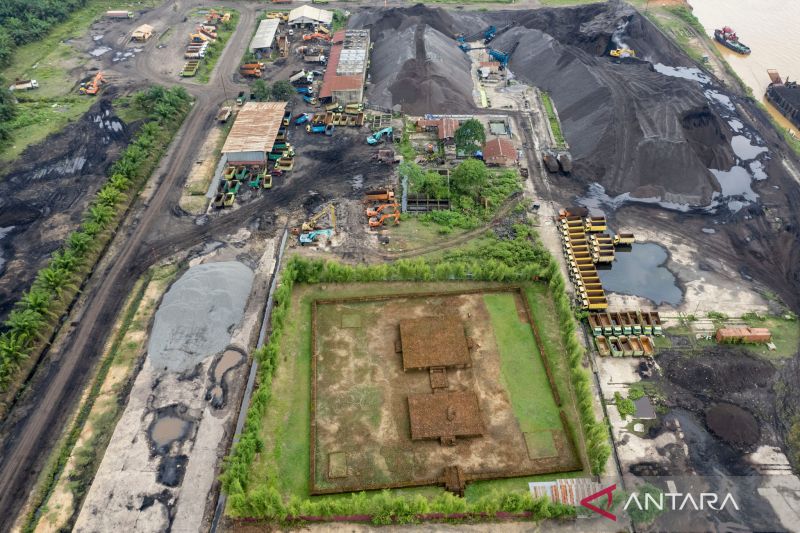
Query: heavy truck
<point x="119" y="14"/>
<point x="315" y="58"/>
<point x="24" y="85"/>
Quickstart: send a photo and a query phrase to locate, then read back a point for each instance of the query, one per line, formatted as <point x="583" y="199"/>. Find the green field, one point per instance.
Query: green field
<point x="284" y="461"/>
<point x="522" y="368"/>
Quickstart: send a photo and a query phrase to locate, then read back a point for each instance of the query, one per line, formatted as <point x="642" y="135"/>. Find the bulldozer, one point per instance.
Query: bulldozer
<point x="92" y="87"/>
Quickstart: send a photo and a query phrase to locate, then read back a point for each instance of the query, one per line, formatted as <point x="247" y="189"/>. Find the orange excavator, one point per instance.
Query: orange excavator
<point x="375" y="222"/>
<point x="92" y="87"/>
<point x="316" y="35"/>
<point x="375" y="211"/>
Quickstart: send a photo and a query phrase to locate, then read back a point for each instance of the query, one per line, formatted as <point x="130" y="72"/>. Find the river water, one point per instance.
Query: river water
<point x="769" y="28"/>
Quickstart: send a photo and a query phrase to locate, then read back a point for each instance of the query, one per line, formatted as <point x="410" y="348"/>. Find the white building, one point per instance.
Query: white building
<point x="309" y="16"/>
<point x="265" y="36"/>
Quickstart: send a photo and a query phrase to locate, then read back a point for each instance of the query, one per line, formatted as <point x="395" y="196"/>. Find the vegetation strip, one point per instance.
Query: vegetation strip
<point x="34" y="322"/>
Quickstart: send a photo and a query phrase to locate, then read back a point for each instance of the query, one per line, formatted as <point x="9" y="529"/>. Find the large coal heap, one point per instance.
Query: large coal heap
<point x="415" y="62"/>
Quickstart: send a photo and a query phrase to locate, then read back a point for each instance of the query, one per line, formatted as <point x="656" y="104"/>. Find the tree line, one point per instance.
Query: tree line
<point x="36" y="315"/>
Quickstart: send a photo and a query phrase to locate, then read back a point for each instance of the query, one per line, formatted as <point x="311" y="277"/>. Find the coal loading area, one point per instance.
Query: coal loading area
<point x="645" y="133"/>
<point x="44" y="192"/>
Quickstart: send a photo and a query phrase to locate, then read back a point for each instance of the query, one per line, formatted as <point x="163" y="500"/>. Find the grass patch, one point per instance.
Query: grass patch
<point x="552" y="118"/>
<point x="36" y="119"/>
<point x="785" y="336"/>
<point x="215" y="49"/>
<point x="521" y="367"/>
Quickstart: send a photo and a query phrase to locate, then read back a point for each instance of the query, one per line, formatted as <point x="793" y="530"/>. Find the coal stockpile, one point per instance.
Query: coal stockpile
<point x="415" y="61"/>
<point x="45" y="191"/>
<point x="732" y="424"/>
<point x="630" y="128"/>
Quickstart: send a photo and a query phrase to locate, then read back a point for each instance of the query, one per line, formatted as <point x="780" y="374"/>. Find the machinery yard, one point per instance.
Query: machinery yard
<point x="397" y="264"/>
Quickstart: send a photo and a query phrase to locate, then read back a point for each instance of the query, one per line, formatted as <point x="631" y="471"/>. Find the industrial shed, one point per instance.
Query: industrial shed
<point x="253" y="133"/>
<point x="264" y="38"/>
<point x="345" y="75"/>
<point x="309" y="16"/>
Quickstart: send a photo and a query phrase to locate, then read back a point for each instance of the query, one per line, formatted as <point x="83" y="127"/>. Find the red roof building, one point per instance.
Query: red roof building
<point x="499" y="152"/>
<point x="347" y="66"/>
<point x="445" y="127"/>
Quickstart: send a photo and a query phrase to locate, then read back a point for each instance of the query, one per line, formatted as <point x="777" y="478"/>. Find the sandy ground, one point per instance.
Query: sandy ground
<point x="137" y="486"/>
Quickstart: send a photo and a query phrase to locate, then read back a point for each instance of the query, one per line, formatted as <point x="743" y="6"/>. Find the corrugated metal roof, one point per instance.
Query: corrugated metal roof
<point x="332" y="81"/>
<point x="265" y="34"/>
<point x="313" y="13"/>
<point x="255" y="128"/>
<point x="445" y="127"/>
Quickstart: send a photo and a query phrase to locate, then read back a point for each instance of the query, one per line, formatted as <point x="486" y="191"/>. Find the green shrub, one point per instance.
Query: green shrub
<point x="625" y="406"/>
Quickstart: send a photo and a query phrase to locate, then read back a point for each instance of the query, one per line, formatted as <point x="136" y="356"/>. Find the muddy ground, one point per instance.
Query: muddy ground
<point x="45" y="191"/>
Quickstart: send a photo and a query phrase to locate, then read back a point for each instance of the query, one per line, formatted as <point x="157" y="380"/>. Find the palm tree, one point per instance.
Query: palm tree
<point x="36" y="299"/>
<point x="91" y="228"/>
<point x="119" y="182"/>
<point x="101" y="214"/>
<point x="109" y="196"/>
<point x="55" y="280"/>
<point x="65" y="260"/>
<point x="13" y="349"/>
<point x="79" y="242"/>
<point x="26" y="323"/>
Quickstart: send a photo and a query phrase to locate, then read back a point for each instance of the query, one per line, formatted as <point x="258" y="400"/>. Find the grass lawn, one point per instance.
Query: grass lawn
<point x="521" y="366"/>
<point x="284" y="462"/>
<point x="785" y="337"/>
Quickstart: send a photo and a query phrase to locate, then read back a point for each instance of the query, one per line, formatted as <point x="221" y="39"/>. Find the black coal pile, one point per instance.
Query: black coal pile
<point x="415" y="61"/>
<point x="45" y="191"/>
<point x="630" y="128"/>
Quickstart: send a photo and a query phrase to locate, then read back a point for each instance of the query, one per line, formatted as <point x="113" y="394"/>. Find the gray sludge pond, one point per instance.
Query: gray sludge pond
<point x="640" y="271"/>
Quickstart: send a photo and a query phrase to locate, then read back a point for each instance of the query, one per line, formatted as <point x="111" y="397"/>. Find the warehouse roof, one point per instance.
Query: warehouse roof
<point x="255" y="128"/>
<point x="433" y="341"/>
<point x="332" y="81"/>
<point x="265" y="34"/>
<point x="313" y="13"/>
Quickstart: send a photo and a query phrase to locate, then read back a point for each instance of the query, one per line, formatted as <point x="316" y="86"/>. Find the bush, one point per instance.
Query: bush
<point x="625" y="406"/>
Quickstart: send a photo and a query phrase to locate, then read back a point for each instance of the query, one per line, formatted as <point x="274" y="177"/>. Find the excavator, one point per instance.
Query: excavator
<point x="622" y="52"/>
<point x="316" y="35"/>
<point x="311" y="223"/>
<point x="375" y="211"/>
<point x="376" y="137"/>
<point x="376" y="222"/>
<point x="92" y="87"/>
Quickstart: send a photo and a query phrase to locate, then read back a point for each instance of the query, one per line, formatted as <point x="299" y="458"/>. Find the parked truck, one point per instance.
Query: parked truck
<point x="316" y="58"/>
<point x="297" y="76"/>
<point x="224" y="114"/>
<point x="250" y="72"/>
<point x="119" y="14"/>
<point x="200" y="54"/>
<point x="24" y="85"/>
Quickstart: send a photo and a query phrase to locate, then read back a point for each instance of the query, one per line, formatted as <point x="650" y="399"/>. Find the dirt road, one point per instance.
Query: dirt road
<point x="29" y="435"/>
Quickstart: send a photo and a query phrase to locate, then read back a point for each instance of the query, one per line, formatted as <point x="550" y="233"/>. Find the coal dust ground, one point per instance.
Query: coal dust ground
<point x="654" y="133"/>
<point x="44" y="192"/>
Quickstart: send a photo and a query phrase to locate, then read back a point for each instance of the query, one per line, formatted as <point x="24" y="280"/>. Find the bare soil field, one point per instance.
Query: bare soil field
<point x="362" y="424"/>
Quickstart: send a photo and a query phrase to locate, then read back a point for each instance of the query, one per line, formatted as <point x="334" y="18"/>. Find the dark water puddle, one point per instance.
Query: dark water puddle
<point x="229" y="359"/>
<point x="167" y="430"/>
<point x="641" y="272"/>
